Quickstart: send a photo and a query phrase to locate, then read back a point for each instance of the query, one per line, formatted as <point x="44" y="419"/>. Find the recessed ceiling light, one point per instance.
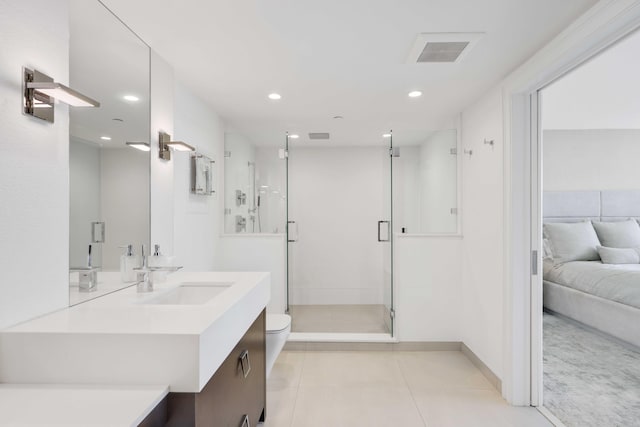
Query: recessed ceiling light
<point x="294" y="136"/>
<point x="415" y="94"/>
<point x="131" y="98"/>
<point x="386" y="135"/>
<point x="106" y="138"/>
<point x="274" y="96"/>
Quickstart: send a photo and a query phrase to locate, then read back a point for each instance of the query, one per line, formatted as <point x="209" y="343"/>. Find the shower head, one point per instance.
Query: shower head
<point x="258" y="200"/>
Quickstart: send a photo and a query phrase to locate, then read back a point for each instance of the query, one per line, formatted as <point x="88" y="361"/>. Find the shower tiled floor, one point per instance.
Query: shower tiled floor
<point x="338" y="318"/>
<point x="387" y="389"/>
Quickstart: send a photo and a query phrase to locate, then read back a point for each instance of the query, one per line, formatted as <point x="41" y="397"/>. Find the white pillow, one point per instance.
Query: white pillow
<point x="618" y="255"/>
<point x="572" y="241"/>
<point x="621" y="234"/>
<point x="547" y="253"/>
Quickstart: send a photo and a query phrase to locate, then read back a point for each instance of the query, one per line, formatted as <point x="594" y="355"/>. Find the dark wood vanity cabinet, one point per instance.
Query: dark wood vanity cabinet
<point x="236" y="394"/>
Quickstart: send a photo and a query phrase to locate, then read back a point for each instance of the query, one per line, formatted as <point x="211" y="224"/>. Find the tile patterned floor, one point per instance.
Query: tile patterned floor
<point x="386" y="389"/>
<point x="338" y="318"/>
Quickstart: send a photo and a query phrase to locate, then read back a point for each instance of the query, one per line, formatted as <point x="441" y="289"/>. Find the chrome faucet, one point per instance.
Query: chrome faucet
<point x="87" y="276"/>
<point x="145" y="274"/>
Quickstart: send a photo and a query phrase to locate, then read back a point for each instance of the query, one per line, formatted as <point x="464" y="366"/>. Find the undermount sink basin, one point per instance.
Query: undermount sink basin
<point x="190" y="294"/>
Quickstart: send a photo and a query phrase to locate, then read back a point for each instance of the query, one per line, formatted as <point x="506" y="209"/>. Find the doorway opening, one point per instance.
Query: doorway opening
<point x="585" y="211"/>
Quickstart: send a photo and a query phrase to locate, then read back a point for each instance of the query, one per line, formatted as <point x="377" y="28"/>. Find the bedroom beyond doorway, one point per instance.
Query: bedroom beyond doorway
<point x="591" y="240"/>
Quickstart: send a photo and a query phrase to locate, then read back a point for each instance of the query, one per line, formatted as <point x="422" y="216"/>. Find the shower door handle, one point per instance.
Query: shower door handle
<point x="291" y="237"/>
<point x="388" y="223"/>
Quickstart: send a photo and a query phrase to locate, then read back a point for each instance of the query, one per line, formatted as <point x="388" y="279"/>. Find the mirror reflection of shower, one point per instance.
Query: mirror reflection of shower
<point x="254" y="210"/>
<point x="255" y="186"/>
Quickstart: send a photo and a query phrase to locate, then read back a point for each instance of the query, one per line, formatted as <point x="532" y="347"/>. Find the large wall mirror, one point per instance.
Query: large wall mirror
<point x="108" y="179"/>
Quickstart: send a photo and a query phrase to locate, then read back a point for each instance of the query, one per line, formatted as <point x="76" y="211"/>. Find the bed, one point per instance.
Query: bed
<point x="603" y="296"/>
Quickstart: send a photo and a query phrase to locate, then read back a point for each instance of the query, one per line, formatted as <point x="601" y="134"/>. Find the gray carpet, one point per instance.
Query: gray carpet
<point x="589" y="378"/>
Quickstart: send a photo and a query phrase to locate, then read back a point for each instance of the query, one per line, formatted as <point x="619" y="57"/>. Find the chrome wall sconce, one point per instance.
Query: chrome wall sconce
<point x="165" y="143"/>
<point x="40" y="93"/>
<point x="142" y="146"/>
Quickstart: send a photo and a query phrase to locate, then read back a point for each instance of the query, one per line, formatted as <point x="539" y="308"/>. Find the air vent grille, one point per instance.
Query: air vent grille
<point x="318" y="135"/>
<point x="442" y="48"/>
<point x="442" y="51"/>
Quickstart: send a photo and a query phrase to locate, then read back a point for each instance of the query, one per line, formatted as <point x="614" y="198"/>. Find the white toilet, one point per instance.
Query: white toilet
<point x="278" y="328"/>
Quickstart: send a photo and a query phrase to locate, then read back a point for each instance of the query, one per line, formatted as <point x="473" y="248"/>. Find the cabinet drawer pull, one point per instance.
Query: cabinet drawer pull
<point x="245" y="363"/>
<point x="245" y="421"/>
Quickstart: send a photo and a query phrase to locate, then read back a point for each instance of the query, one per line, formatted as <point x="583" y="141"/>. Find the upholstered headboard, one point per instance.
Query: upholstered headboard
<point x="572" y="206"/>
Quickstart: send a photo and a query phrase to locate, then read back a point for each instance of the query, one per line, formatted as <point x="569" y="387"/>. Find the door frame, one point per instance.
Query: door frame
<point x="605" y="23"/>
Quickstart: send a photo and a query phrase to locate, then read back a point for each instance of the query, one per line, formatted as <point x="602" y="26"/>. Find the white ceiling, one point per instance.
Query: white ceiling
<point x="340" y="57"/>
<point x="603" y="93"/>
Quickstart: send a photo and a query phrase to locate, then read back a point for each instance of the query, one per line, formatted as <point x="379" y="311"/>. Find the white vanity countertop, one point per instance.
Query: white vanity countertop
<point x="118" y="339"/>
<point x="36" y="405"/>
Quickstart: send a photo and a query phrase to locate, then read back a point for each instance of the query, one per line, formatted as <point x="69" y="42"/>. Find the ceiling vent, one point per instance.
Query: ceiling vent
<point x="442" y="51"/>
<point x="442" y="47"/>
<point x="318" y="135"/>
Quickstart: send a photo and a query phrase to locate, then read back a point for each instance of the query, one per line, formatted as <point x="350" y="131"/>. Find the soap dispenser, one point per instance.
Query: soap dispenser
<point x="159" y="260"/>
<point x="129" y="261"/>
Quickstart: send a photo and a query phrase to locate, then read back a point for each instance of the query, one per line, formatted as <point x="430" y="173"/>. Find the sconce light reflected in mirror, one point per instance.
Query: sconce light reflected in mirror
<point x="166" y="143"/>
<point x="41" y="92"/>
<point x="142" y="146"/>
<point x="180" y="146"/>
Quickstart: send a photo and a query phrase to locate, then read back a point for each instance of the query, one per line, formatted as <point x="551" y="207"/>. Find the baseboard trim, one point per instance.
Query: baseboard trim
<point x="488" y="373"/>
<point x="428" y="346"/>
<point x="372" y="346"/>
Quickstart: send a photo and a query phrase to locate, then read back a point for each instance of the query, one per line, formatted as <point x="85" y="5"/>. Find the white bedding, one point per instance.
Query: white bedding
<point x="616" y="282"/>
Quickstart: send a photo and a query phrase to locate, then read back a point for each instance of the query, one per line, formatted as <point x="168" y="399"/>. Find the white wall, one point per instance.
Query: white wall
<point x="196" y="217"/>
<point x="603" y="93"/>
<point x="84" y="200"/>
<point x="251" y="252"/>
<point x="591" y="159"/>
<point x="483" y="229"/>
<point x="336" y="197"/>
<point x="124" y="202"/>
<point x="34" y="164"/>
<point x="428" y="288"/>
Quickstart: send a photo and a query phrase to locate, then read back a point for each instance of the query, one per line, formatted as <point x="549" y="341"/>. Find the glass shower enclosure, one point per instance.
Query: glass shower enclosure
<point x="340" y="236"/>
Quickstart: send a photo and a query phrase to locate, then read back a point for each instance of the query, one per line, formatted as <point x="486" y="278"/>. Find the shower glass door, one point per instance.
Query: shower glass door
<point x="387" y="246"/>
<point x="339" y="231"/>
